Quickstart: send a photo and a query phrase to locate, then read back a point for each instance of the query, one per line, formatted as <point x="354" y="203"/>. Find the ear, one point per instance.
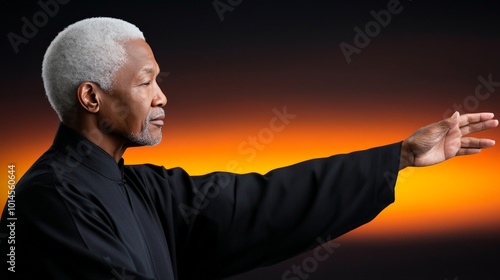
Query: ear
<point x="88" y="94"/>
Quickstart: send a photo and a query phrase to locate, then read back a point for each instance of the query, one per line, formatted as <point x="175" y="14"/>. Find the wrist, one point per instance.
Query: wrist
<point x="406" y="158"/>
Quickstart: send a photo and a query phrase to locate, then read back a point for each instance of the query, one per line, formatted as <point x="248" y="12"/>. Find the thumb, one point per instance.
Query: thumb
<point x="452" y="121"/>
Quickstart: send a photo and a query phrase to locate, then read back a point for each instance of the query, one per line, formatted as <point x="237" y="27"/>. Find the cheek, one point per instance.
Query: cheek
<point x="113" y="112"/>
<point x="122" y="110"/>
<point x="136" y="106"/>
<point x="138" y="115"/>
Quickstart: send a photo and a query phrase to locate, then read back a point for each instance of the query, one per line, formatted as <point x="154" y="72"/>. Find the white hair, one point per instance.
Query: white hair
<point x="90" y="50"/>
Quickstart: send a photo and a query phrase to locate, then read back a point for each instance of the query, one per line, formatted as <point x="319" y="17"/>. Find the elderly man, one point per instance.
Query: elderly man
<point x="82" y="214"/>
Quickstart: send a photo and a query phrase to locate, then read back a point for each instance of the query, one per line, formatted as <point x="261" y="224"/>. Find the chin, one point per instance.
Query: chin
<point x="144" y="139"/>
<point x="156" y="142"/>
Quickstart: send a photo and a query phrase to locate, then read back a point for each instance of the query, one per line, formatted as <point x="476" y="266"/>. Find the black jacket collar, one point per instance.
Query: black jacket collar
<point x="80" y="150"/>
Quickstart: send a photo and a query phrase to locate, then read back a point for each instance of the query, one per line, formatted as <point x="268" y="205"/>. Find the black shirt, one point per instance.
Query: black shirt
<point x="80" y="215"/>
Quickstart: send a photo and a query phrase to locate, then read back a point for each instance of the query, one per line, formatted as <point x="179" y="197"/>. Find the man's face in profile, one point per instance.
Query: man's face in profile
<point x="134" y="107"/>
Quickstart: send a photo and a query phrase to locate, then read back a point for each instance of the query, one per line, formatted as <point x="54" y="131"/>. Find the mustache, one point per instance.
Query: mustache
<point x="155" y="114"/>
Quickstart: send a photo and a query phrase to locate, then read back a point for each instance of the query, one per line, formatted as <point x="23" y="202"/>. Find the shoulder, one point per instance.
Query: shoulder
<point x="49" y="177"/>
<point x="152" y="171"/>
<point x="42" y="173"/>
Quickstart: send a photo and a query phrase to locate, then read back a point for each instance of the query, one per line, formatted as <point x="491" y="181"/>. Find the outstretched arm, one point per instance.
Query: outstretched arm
<point x="445" y="139"/>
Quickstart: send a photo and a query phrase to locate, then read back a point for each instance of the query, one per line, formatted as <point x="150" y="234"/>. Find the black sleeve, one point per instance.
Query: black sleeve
<point x="227" y="223"/>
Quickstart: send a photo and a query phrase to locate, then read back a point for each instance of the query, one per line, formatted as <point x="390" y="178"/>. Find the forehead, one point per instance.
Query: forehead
<point x="140" y="57"/>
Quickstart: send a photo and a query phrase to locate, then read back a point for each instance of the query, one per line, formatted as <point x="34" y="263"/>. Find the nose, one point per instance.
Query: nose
<point x="160" y="99"/>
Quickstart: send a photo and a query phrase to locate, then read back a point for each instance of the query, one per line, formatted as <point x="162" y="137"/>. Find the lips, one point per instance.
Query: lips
<point x="158" y="121"/>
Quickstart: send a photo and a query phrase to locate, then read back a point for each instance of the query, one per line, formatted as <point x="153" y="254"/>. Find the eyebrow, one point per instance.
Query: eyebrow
<point x="148" y="70"/>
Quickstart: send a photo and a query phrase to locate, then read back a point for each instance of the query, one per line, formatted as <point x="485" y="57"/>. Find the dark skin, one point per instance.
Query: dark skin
<point x="134" y="108"/>
<point x="446" y="139"/>
<point x="108" y="119"/>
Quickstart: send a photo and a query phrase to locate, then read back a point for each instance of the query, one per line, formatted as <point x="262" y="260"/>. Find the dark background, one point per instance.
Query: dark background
<point x="427" y="58"/>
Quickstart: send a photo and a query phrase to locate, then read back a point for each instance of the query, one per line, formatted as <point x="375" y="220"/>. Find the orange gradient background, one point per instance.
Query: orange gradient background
<point x="204" y="135"/>
<point x="225" y="78"/>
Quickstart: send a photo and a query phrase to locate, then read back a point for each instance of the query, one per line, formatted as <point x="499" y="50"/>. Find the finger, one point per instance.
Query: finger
<point x="479" y="143"/>
<point x="467" y="151"/>
<point x="466" y="119"/>
<point x="479" y="126"/>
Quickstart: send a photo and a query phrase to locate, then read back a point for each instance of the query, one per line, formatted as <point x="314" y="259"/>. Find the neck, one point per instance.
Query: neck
<point x="109" y="142"/>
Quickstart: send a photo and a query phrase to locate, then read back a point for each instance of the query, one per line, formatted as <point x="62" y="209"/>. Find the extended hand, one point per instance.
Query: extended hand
<point x="442" y="140"/>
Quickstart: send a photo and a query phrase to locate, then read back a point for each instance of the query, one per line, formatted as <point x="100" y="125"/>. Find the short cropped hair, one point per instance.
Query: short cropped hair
<point x="90" y="50"/>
